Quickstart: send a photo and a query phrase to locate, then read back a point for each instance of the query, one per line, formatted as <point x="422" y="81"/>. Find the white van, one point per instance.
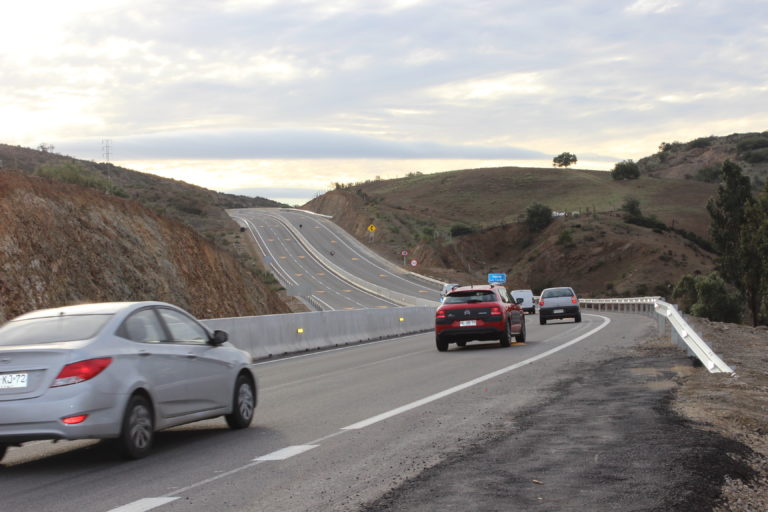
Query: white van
<point x="527" y="295"/>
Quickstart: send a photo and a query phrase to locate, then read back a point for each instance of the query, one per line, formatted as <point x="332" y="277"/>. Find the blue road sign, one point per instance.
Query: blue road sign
<point x="497" y="278"/>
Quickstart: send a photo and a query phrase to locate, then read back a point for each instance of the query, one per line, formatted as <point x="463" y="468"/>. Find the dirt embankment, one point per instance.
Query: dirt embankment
<point x="62" y="244"/>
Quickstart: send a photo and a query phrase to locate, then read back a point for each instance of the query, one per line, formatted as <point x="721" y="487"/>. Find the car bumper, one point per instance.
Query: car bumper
<point x="559" y="312"/>
<point x="40" y="417"/>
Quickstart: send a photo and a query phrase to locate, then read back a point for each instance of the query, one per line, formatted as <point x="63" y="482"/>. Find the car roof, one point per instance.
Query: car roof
<point x="98" y="308"/>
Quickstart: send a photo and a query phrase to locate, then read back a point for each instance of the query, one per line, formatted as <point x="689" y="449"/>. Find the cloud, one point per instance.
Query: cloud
<point x="288" y="144"/>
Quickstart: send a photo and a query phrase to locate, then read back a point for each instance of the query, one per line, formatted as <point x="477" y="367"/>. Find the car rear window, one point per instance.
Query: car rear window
<point x="470" y="296"/>
<point x="51" y="329"/>
<point x="557" y="292"/>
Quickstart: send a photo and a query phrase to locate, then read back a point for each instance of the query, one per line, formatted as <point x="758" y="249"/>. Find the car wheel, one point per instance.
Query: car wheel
<point x="138" y="429"/>
<point x="506" y="337"/>
<point x="520" y="338"/>
<point x="542" y="320"/>
<point x="243" y="403"/>
<point x="461" y="343"/>
<point x="577" y="317"/>
<point x="442" y="345"/>
<point x="3" y="448"/>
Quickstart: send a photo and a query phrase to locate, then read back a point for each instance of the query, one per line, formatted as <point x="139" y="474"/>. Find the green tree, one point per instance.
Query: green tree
<point x="685" y="292"/>
<point x="564" y="160"/>
<point x="708" y="297"/>
<point x="625" y="170"/>
<point x="538" y="216"/>
<point x="736" y="222"/>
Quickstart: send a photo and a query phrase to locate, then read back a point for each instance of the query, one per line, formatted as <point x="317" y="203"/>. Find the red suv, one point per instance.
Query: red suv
<point x="482" y="312"/>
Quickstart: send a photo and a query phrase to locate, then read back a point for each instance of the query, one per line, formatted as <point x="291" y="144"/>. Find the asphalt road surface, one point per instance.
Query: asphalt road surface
<point x="345" y="429"/>
<point x="368" y="281"/>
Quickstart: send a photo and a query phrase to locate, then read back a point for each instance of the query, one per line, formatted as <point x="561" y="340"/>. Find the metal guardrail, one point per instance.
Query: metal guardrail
<point x="682" y="333"/>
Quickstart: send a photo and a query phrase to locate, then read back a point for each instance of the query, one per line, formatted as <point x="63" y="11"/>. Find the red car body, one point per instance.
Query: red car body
<point x="479" y="312"/>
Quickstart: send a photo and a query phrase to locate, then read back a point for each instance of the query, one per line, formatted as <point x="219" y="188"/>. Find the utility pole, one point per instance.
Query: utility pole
<point x="105" y="149"/>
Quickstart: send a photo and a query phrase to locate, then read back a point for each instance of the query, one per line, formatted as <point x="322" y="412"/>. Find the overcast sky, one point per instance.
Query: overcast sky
<point x="259" y="94"/>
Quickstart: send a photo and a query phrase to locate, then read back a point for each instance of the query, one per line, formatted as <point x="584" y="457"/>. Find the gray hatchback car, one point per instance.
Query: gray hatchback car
<point x="558" y="303"/>
<point x="118" y="370"/>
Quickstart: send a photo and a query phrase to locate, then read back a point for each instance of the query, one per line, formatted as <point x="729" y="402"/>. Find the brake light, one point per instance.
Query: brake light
<point x="574" y="300"/>
<point x="80" y="371"/>
<point x="440" y="314"/>
<point x="495" y="310"/>
<point x="541" y="302"/>
<point x="74" y="420"/>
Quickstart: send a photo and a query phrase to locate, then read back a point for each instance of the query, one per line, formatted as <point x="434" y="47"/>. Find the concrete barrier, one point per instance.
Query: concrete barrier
<point x="275" y="335"/>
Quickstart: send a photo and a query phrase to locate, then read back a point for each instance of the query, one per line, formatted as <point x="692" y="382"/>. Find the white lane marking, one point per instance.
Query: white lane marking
<point x="418" y="403"/>
<point x="287" y="453"/>
<point x="144" y="504"/>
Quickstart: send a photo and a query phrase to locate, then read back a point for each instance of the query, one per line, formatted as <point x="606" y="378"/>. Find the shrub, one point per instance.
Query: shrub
<point x="753" y="142"/>
<point x="538" y="217"/>
<point x="461" y="229"/>
<point x="625" y="170"/>
<point x="708" y="174"/>
<point x="701" y="142"/>
<point x="565" y="238"/>
<point x="631" y="206"/>
<point x="756" y="156"/>
<point x="715" y="301"/>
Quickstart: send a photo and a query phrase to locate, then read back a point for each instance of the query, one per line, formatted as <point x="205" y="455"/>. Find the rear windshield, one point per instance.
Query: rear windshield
<point x="470" y="296"/>
<point x="557" y="292"/>
<point x="51" y="329"/>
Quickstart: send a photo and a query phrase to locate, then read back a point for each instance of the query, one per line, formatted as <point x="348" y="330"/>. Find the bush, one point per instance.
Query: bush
<point x="701" y="142"/>
<point x="631" y="206"/>
<point x="708" y="174"/>
<point x="461" y="229"/>
<point x="625" y="170"/>
<point x="756" y="156"/>
<point x="715" y="301"/>
<point x="565" y="238"/>
<point x="538" y="217"/>
<point x="750" y="143"/>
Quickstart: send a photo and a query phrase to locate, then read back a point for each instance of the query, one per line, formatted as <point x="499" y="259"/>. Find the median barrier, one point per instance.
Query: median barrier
<point x="275" y="335"/>
<point x="669" y="321"/>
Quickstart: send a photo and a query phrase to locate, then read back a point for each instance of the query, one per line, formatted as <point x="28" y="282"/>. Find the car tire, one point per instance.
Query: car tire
<point x="243" y="403"/>
<point x="520" y="338"/>
<point x="577" y="318"/>
<point x="3" y="449"/>
<point x="542" y="320"/>
<point x="138" y="430"/>
<point x="442" y="345"/>
<point x="506" y="337"/>
<point x="461" y="344"/>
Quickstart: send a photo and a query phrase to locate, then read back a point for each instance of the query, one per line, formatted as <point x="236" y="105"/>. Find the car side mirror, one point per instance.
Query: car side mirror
<point x="519" y="300"/>
<point x="219" y="338"/>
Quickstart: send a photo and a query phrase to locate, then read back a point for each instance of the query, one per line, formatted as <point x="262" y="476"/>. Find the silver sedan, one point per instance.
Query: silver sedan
<point x="117" y="370"/>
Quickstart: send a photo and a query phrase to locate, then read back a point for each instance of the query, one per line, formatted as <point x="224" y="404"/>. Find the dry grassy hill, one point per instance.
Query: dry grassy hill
<point x="595" y="251"/>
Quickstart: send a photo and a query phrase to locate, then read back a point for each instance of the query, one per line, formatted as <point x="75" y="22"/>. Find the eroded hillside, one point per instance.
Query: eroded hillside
<point x="63" y="244"/>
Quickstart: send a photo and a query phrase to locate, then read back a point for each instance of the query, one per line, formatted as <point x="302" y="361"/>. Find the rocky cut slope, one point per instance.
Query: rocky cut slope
<point x="63" y="244"/>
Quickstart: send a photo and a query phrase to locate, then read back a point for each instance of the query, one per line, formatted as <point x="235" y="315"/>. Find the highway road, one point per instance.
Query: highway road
<point x="329" y="269"/>
<point x="333" y="429"/>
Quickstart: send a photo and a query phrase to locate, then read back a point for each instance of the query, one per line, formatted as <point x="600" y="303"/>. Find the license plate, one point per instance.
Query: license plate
<point x="559" y="311"/>
<point x="13" y="380"/>
<point x="467" y="323"/>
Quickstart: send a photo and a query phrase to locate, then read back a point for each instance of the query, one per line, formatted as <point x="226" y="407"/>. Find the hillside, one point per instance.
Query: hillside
<point x="65" y="244"/>
<point x="596" y="251"/>
<point x="700" y="158"/>
<point x="199" y="208"/>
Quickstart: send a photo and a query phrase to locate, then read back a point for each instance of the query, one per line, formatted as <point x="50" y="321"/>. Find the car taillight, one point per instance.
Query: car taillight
<point x="541" y="302"/>
<point x="440" y="314"/>
<point x="81" y="371"/>
<point x="74" y="420"/>
<point x="495" y="310"/>
<point x="574" y="300"/>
